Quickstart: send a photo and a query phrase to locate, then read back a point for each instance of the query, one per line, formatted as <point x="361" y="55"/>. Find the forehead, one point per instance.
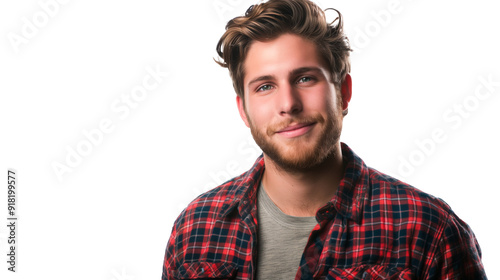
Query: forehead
<point x="280" y="56"/>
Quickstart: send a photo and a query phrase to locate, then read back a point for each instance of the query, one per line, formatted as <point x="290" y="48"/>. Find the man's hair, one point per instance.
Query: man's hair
<point x="269" y="20"/>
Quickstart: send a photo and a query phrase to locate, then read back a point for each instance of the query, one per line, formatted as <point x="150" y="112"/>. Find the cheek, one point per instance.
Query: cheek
<point x="326" y="101"/>
<point x="257" y="114"/>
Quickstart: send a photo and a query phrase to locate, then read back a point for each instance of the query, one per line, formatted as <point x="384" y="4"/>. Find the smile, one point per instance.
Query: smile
<point x="296" y="130"/>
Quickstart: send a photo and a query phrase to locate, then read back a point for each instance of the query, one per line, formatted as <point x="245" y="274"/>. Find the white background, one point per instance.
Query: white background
<point x="110" y="216"/>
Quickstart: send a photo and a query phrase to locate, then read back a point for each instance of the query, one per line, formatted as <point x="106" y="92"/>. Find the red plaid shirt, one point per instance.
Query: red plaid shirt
<point x="376" y="227"/>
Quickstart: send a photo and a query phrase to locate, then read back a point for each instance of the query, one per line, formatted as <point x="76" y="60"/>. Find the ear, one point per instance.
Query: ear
<point x="241" y="109"/>
<point x="346" y="91"/>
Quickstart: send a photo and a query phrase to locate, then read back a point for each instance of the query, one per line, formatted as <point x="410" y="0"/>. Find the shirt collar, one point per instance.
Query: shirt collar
<point x="353" y="188"/>
<point x="244" y="193"/>
<point x="348" y="202"/>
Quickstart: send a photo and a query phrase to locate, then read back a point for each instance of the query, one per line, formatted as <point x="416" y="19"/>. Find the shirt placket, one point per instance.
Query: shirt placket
<point x="249" y="220"/>
<point x="314" y="256"/>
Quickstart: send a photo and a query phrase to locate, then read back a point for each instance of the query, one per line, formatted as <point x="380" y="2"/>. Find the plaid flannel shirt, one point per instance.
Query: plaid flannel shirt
<point x="375" y="227"/>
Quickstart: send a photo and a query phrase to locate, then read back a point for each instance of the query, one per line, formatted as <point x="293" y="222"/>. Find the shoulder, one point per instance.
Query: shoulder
<point x="405" y="197"/>
<point x="219" y="201"/>
<point x="428" y="224"/>
<point x="212" y="202"/>
<point x="193" y="229"/>
<point x="415" y="216"/>
<point x="217" y="204"/>
<point x="381" y="195"/>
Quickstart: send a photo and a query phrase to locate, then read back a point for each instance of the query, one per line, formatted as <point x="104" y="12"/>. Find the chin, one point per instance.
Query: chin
<point x="305" y="152"/>
<point x="298" y="155"/>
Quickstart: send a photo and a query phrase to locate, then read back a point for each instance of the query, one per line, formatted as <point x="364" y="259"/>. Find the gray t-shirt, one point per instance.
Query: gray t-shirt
<point x="281" y="239"/>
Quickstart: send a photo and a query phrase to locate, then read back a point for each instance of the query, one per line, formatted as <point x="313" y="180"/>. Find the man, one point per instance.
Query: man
<point x="309" y="208"/>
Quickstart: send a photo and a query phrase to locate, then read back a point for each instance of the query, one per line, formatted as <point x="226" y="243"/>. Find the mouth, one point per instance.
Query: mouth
<point x="296" y="130"/>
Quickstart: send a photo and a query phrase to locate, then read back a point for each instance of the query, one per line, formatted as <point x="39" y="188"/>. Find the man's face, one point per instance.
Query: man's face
<point x="293" y="110"/>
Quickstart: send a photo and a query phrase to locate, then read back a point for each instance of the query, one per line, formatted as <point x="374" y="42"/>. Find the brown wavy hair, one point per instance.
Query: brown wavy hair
<point x="269" y="20"/>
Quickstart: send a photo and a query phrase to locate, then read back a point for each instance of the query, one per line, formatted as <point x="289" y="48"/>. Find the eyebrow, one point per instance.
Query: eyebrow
<point x="301" y="70"/>
<point x="294" y="72"/>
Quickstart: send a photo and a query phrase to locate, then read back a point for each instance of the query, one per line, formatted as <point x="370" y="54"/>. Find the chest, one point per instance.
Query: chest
<point x="334" y="249"/>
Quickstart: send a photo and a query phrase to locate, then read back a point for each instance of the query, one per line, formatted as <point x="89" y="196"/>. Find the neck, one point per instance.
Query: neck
<point x="302" y="193"/>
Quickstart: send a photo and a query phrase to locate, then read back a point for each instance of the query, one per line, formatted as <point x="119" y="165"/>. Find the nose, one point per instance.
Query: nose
<point x="289" y="100"/>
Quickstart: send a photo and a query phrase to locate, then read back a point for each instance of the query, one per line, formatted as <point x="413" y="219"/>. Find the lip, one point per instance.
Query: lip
<point x="296" y="130"/>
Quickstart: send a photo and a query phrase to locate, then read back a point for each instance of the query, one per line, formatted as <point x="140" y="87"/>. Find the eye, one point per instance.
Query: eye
<point x="305" y="79"/>
<point x="265" y="88"/>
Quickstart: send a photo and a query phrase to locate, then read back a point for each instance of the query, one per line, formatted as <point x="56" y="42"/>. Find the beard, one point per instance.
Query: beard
<point x="304" y="152"/>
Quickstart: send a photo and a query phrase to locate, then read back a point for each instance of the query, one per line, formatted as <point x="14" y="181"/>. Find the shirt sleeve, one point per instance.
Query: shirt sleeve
<point x="169" y="260"/>
<point x="458" y="255"/>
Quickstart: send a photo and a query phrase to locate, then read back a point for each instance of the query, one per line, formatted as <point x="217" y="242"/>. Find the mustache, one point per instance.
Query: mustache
<point x="275" y="127"/>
